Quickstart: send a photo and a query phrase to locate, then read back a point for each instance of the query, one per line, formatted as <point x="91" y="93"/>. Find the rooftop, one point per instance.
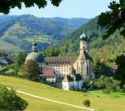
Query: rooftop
<point x="61" y="60"/>
<point x="48" y="73"/>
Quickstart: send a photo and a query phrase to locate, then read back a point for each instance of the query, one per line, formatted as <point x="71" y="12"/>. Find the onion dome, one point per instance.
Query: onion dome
<point x="83" y="37"/>
<point x="35" y="56"/>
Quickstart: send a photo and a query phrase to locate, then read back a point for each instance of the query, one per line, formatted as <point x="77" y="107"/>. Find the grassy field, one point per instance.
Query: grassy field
<point x="100" y="102"/>
<point x="112" y="94"/>
<point x="42" y="105"/>
<point x="43" y="38"/>
<point x="7" y="47"/>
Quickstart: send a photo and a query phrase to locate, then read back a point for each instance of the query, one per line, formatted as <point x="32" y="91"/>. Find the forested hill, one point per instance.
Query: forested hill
<point x="99" y="48"/>
<point x="18" y="32"/>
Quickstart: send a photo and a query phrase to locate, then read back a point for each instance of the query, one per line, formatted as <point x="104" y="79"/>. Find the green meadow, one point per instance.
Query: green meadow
<point x="42" y="105"/>
<point x="98" y="101"/>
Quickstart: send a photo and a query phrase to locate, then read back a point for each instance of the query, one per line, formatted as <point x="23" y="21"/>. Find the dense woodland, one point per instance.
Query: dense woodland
<point x="18" y="32"/>
<point x="107" y="49"/>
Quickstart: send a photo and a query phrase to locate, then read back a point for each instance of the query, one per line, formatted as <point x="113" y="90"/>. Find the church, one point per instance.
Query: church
<point x="73" y="69"/>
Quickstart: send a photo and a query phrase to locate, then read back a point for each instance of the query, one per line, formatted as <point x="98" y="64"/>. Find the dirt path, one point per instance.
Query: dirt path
<point x="55" y="101"/>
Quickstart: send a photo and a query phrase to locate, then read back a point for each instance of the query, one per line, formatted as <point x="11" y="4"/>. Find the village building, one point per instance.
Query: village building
<point x="49" y="75"/>
<point x="53" y="68"/>
<point x="5" y="61"/>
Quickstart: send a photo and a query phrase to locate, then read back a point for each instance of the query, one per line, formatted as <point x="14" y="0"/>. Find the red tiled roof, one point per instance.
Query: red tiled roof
<point x="61" y="60"/>
<point x="48" y="73"/>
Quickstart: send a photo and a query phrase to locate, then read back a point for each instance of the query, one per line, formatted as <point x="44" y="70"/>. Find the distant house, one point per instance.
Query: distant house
<point x="49" y="75"/>
<point x="5" y="61"/>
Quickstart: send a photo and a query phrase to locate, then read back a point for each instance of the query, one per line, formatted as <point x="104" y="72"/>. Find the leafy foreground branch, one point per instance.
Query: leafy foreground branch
<point x="113" y="20"/>
<point x="6" y="5"/>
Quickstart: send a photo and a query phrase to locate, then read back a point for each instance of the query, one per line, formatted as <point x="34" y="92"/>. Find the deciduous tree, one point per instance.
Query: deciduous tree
<point x="6" y="5"/>
<point x="9" y="101"/>
<point x="113" y="20"/>
<point x="30" y="70"/>
<point x="19" y="61"/>
<point x="120" y="73"/>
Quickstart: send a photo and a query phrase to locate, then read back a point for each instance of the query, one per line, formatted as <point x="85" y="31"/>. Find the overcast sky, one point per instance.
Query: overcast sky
<point x="67" y="9"/>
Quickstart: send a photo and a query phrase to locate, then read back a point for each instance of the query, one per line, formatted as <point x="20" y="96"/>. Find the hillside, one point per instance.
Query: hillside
<point x="21" y="31"/>
<point x="99" y="48"/>
<point x="98" y="101"/>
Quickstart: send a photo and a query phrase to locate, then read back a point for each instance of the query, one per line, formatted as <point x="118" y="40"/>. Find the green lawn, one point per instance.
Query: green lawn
<point x="112" y="94"/>
<point x="42" y="105"/>
<point x="103" y="102"/>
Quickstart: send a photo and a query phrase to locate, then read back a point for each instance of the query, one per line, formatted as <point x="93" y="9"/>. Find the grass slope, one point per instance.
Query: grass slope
<point x="6" y="47"/>
<point x="103" y="103"/>
<point x="42" y="105"/>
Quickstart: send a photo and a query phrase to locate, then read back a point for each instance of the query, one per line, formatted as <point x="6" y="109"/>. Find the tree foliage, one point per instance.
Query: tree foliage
<point x="113" y="20"/>
<point x="120" y="73"/>
<point x="30" y="70"/>
<point x="2" y="54"/>
<point x="20" y="58"/>
<point x="19" y="61"/>
<point x="6" y="5"/>
<point x="86" y="102"/>
<point x="10" y="101"/>
<point x="52" y="51"/>
<point x="107" y="84"/>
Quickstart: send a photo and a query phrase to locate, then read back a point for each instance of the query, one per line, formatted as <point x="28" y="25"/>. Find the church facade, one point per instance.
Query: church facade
<point x="62" y="67"/>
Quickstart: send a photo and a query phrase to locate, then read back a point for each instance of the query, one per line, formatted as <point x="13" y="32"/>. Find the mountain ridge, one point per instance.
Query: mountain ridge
<point x="24" y="29"/>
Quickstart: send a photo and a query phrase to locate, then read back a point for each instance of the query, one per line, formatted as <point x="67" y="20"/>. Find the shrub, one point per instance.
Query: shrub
<point x="107" y="84"/>
<point x="106" y="91"/>
<point x="86" y="102"/>
<point x="84" y="90"/>
<point x="74" y="88"/>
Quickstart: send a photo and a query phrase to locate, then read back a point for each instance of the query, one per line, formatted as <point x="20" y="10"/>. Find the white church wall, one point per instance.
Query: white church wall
<point x="65" y="85"/>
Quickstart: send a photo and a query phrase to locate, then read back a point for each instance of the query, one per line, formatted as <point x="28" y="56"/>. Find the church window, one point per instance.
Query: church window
<point x="87" y="69"/>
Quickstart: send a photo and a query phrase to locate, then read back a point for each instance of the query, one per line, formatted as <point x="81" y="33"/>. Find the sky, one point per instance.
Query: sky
<point x="67" y="9"/>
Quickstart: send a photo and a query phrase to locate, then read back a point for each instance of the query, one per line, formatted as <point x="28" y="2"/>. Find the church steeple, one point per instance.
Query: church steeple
<point x="83" y="43"/>
<point x="83" y="37"/>
<point x="34" y="47"/>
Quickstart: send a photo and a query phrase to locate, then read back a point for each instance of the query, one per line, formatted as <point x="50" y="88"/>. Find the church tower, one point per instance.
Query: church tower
<point x="83" y="43"/>
<point x="84" y="60"/>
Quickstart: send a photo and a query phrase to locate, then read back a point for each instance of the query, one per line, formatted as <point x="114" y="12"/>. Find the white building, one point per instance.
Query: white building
<point x="72" y="82"/>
